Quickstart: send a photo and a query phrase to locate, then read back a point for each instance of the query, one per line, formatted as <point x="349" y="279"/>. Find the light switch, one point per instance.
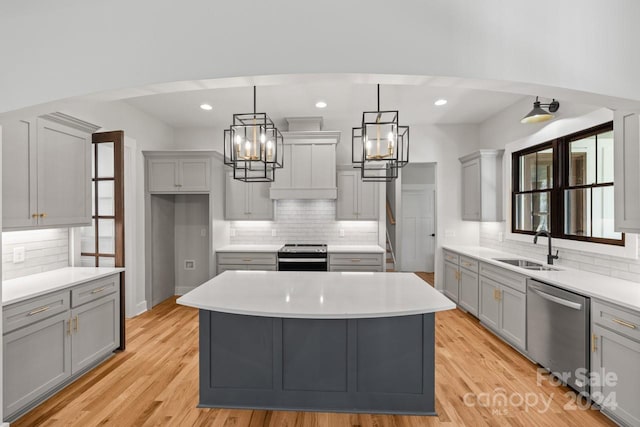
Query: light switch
<point x="18" y="254"/>
<point x="342" y="232"/>
<point x="203" y="232"/>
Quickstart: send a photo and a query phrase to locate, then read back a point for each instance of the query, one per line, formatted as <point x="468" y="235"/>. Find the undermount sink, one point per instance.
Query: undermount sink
<point x="528" y="265"/>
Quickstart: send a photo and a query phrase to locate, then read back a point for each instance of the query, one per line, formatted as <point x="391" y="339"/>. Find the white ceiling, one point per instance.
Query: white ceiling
<point x="346" y="102"/>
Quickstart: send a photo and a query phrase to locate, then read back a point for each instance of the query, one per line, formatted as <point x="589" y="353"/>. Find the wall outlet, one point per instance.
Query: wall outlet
<point x="500" y="236"/>
<point x="18" y="254"/>
<point x="450" y="233"/>
<point x="273" y="232"/>
<point x="189" y="264"/>
<point x="342" y="232"/>
<point x="203" y="232"/>
<point x="232" y="232"/>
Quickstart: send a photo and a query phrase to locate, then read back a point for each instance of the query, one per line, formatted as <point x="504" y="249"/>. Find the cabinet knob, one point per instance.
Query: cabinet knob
<point x="43" y="215"/>
<point x="34" y="215"/>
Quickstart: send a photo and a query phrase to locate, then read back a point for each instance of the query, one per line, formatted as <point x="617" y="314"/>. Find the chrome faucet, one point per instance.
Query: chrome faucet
<point x="550" y="256"/>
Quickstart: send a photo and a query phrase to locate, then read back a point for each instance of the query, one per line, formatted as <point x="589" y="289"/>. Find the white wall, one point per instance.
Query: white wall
<point x="505" y="131"/>
<point x="149" y="133"/>
<point x="546" y="43"/>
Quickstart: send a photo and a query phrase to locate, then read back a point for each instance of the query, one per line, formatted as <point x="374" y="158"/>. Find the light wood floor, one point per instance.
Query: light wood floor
<point x="155" y="383"/>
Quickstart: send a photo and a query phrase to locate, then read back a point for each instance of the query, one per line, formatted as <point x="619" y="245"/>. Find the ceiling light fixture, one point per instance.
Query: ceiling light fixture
<point x="380" y="146"/>
<point x="440" y="102"/>
<point x="206" y="107"/>
<point x="321" y="104"/>
<point x="253" y="146"/>
<point x="538" y="114"/>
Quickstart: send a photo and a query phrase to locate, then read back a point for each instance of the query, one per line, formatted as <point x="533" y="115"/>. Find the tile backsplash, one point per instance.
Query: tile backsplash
<point x="622" y="268"/>
<point x="305" y="221"/>
<point x="44" y="250"/>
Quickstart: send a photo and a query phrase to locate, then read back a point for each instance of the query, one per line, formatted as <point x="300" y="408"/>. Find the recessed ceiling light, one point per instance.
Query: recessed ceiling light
<point x="321" y="104"/>
<point x="440" y="102"/>
<point x="206" y="107"/>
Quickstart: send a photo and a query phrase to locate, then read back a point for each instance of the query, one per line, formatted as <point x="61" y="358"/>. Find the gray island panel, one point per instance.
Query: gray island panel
<point x="377" y="365"/>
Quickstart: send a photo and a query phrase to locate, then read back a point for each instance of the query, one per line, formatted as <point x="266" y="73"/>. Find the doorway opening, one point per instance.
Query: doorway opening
<point x="417" y="218"/>
<point x="179" y="244"/>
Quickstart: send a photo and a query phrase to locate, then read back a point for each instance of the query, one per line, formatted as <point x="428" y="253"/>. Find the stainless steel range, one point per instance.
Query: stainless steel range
<point x="303" y="257"/>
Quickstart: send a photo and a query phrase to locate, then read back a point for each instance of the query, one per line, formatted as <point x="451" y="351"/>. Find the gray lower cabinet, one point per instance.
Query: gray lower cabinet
<point x="265" y="261"/>
<point x="468" y="291"/>
<point x="52" y="339"/>
<point x="615" y="358"/>
<point x="37" y="358"/>
<point x="503" y="303"/>
<point x="96" y="331"/>
<point x="372" y="262"/>
<point x="451" y="281"/>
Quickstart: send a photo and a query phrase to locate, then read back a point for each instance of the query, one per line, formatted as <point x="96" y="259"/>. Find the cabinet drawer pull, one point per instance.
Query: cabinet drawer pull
<point x="355" y="260"/>
<point x="77" y="319"/>
<point x="38" y="310"/>
<point x="623" y="323"/>
<point x="69" y="327"/>
<point x="247" y="260"/>
<point x="96" y="291"/>
<point x="467" y="264"/>
<point x="594" y="342"/>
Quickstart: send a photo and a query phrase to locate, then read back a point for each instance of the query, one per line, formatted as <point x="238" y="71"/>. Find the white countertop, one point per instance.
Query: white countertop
<point x="317" y="295"/>
<point x="23" y="288"/>
<point x="617" y="291"/>
<point x="336" y="249"/>
<point x="249" y="248"/>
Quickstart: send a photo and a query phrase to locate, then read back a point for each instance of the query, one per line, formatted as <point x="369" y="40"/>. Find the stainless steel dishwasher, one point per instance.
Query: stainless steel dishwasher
<point x="558" y="332"/>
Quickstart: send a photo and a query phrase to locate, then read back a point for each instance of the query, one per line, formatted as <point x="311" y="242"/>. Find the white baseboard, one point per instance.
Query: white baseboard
<point x="181" y="290"/>
<point x="141" y="307"/>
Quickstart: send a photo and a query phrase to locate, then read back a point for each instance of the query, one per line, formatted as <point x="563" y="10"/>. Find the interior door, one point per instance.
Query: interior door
<point x="418" y="228"/>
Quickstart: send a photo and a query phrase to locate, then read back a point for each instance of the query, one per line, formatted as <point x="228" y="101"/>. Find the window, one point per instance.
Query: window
<point x="565" y="186"/>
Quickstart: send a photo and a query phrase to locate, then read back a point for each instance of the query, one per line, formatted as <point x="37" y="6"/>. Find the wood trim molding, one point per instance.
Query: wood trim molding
<point x="72" y="122"/>
<point x="390" y="216"/>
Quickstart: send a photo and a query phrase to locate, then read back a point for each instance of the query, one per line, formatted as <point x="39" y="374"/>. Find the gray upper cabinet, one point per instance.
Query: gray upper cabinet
<point x="247" y="201"/>
<point x="309" y="170"/>
<point x="482" y="186"/>
<point x="356" y="199"/>
<point x="46" y="169"/>
<point x="626" y="128"/>
<point x="175" y="172"/>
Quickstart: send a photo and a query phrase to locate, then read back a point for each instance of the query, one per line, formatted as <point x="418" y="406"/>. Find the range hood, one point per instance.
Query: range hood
<point x="309" y="170"/>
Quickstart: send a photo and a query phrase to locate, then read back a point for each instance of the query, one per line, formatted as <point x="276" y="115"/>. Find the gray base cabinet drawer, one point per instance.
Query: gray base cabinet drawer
<point x="37" y="358"/>
<point x="451" y="257"/>
<point x="469" y="263"/>
<point x="617" y="319"/>
<point x="506" y="277"/>
<point x="246" y="258"/>
<point x="25" y="313"/>
<point x="93" y="290"/>
<point x="355" y="259"/>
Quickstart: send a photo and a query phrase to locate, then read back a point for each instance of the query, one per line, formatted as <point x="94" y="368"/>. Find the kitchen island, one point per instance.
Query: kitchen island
<point x="320" y="341"/>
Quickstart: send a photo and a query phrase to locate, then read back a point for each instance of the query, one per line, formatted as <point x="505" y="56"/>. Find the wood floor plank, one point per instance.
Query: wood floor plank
<point x="155" y="383"/>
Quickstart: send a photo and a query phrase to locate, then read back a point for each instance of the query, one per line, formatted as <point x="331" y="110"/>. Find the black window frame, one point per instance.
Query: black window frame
<point x="560" y="169"/>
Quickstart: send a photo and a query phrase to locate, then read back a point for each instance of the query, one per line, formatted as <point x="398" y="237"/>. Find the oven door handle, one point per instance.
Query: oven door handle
<point x="302" y="260"/>
<point x="557" y="300"/>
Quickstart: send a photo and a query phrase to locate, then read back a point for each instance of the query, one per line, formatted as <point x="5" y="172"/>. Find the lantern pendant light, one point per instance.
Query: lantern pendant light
<point x="380" y="146"/>
<point x="253" y="146"/>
